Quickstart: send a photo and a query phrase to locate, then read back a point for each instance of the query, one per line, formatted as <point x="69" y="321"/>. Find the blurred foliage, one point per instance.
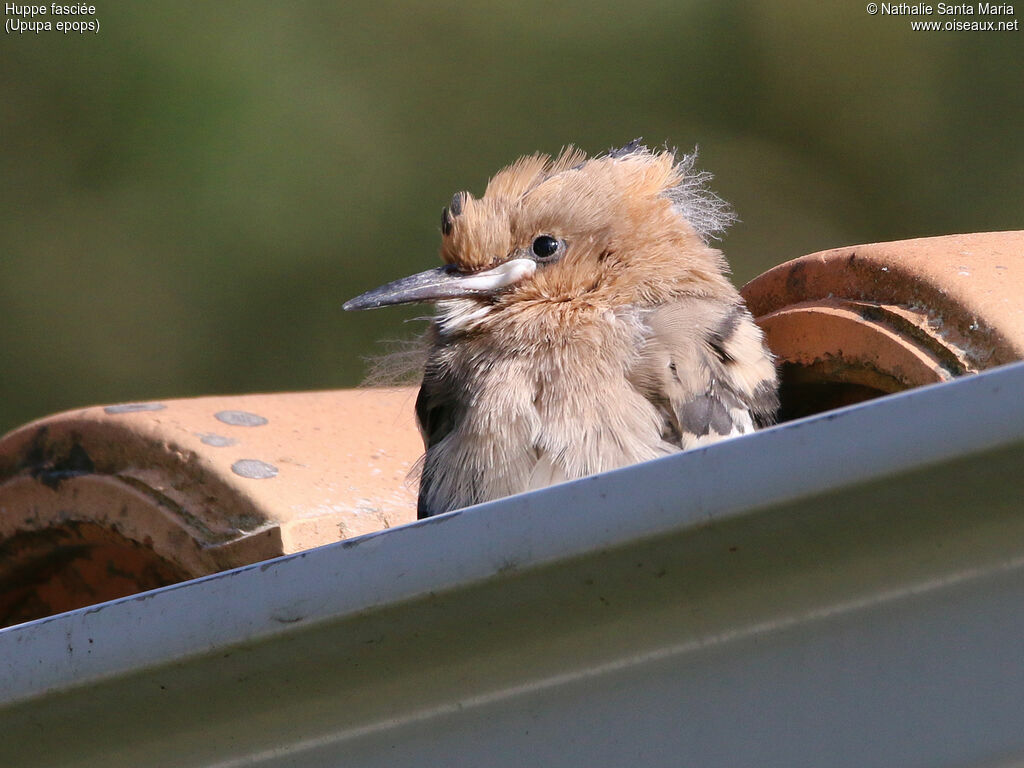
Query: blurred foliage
<point x="190" y="195"/>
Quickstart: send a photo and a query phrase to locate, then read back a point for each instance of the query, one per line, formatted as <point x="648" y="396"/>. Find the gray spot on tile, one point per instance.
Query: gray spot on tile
<point x="134" y="408"/>
<point x="217" y="441"/>
<point x="254" y="469"/>
<point x="240" y="418"/>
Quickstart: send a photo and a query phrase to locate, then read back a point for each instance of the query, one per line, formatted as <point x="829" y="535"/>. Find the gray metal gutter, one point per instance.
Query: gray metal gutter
<point x="843" y="590"/>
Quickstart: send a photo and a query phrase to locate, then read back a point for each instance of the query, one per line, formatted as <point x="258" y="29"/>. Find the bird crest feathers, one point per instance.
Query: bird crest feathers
<point x="474" y="227"/>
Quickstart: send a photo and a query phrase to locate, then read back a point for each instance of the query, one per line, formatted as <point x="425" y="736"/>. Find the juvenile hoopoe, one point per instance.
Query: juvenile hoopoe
<point x="583" y="323"/>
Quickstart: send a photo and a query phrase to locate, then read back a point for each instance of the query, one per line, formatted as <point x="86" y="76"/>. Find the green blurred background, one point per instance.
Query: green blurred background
<point x="189" y="195"/>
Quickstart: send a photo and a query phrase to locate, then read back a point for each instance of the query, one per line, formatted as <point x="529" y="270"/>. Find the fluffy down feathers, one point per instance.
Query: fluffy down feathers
<point x="622" y="341"/>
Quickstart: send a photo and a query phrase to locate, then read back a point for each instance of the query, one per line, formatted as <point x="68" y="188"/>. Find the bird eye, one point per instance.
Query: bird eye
<point x="545" y="246"/>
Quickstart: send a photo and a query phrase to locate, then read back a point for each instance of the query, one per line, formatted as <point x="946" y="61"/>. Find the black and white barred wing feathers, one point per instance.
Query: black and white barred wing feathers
<point x="705" y="368"/>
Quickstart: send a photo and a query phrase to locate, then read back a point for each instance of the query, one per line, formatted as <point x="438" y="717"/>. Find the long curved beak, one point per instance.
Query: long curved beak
<point x="444" y="283"/>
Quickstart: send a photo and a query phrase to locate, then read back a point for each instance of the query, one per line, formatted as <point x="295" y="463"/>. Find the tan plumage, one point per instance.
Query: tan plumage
<point x="584" y="323"/>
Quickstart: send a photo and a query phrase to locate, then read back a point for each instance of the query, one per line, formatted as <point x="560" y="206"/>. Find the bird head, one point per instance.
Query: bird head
<point x="628" y="228"/>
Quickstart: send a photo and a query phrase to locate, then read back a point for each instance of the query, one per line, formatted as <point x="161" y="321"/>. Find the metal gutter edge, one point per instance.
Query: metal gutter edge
<point x="838" y="449"/>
